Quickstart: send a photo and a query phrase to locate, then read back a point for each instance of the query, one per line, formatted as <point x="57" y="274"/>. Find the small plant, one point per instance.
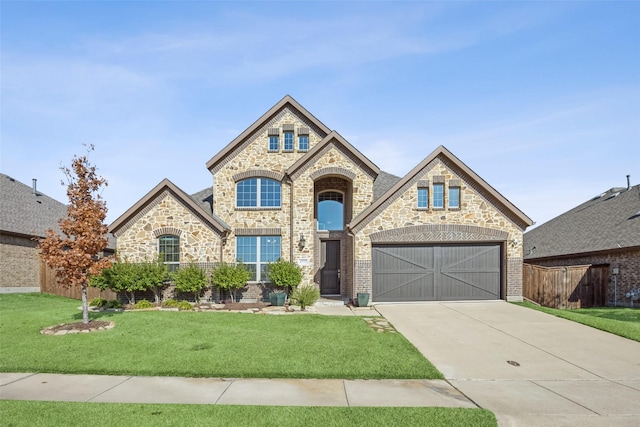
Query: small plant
<point x="143" y="304"/>
<point x="284" y="273"/>
<point x="190" y="279"/>
<point x="114" y="303"/>
<point x="170" y="303"/>
<point x="98" y="302"/>
<point x="231" y="277"/>
<point x="305" y="296"/>
<point x="185" y="306"/>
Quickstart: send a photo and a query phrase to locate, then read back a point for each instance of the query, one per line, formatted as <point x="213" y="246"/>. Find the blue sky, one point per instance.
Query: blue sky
<point x="541" y="99"/>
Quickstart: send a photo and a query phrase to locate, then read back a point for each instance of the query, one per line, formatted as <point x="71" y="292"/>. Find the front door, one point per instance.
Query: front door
<point x="330" y="267"/>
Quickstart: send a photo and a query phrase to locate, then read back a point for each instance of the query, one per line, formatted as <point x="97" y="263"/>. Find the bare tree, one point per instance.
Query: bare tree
<point x="76" y="253"/>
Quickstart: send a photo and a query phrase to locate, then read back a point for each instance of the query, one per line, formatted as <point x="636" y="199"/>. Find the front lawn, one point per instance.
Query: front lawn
<point x="621" y="321"/>
<point x="31" y="413"/>
<point x="232" y="345"/>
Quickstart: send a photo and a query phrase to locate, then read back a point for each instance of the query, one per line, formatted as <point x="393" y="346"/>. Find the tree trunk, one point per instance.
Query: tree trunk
<point x="85" y="305"/>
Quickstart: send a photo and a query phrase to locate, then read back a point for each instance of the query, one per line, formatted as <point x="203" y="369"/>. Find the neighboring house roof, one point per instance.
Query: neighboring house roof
<point x="27" y="213"/>
<point x="227" y="153"/>
<point x="197" y="205"/>
<point x="337" y="139"/>
<point x="609" y="221"/>
<point x="395" y="190"/>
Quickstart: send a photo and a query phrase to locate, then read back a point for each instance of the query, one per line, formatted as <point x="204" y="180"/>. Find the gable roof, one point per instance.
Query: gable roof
<point x="23" y="212"/>
<point x="335" y="138"/>
<point x="609" y="221"/>
<point x="194" y="203"/>
<point x="287" y="101"/>
<point x="395" y="190"/>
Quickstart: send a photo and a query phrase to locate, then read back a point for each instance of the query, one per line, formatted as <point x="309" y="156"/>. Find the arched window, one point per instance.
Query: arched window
<point x="258" y="192"/>
<point x="169" y="247"/>
<point x="330" y="211"/>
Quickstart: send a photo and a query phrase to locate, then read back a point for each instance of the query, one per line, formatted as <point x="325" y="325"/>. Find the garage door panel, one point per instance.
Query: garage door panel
<point x="436" y="272"/>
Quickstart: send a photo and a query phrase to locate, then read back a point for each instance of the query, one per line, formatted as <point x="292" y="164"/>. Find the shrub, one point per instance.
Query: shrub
<point x="170" y="303"/>
<point x="190" y="279"/>
<point x="284" y="273"/>
<point x="143" y="304"/>
<point x="305" y="296"/>
<point x="114" y="303"/>
<point x="98" y="302"/>
<point x="184" y="306"/>
<point x="230" y="277"/>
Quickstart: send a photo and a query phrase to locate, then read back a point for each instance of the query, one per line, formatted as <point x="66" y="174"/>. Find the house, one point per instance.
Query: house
<point x="602" y="231"/>
<point x="290" y="187"/>
<point x="25" y="214"/>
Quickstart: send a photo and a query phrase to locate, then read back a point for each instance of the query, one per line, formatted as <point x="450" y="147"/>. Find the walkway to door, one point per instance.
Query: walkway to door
<point x="528" y="367"/>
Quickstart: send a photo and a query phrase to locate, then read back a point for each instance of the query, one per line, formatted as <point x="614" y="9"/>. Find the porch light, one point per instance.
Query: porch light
<point x="302" y="242"/>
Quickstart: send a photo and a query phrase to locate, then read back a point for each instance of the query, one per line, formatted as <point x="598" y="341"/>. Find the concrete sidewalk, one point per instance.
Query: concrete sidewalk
<point x="225" y="391"/>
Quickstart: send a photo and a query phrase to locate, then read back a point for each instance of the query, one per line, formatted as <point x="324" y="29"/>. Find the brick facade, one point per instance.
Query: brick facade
<point x="20" y="264"/>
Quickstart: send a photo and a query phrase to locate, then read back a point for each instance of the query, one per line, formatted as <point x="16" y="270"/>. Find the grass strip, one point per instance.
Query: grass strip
<point x="39" y="413"/>
<point x="232" y="345"/>
<point x="621" y="321"/>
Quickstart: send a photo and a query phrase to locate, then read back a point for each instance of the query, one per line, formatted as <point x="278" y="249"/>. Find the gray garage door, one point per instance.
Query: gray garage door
<point x="436" y="272"/>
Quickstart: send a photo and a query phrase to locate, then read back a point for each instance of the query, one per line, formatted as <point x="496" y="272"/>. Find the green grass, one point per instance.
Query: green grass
<point x="232" y="345"/>
<point x="624" y="322"/>
<point x="31" y="413"/>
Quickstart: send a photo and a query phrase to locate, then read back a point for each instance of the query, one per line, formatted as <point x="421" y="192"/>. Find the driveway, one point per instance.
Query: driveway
<point x="528" y="367"/>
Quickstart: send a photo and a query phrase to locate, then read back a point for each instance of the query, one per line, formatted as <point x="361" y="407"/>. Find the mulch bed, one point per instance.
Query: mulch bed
<point x="77" y="327"/>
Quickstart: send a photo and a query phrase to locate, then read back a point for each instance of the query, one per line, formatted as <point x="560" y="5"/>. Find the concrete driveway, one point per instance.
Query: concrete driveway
<point x="528" y="367"/>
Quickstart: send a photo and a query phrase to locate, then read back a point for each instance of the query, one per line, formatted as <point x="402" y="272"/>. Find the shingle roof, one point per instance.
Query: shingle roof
<point x="610" y="220"/>
<point x="204" y="199"/>
<point x="23" y="212"/>
<point x="383" y="182"/>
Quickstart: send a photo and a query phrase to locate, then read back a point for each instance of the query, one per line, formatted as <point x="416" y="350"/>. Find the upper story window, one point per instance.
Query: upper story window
<point x="274" y="143"/>
<point x="303" y="142"/>
<point x="288" y="141"/>
<point x="258" y="192"/>
<point x="438" y="196"/>
<point x="169" y="247"/>
<point x="330" y="211"/>
<point x="423" y="198"/>
<point x="256" y="252"/>
<point x="454" y="197"/>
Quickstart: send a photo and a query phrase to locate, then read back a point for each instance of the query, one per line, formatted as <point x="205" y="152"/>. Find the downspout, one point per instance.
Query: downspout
<point x="288" y="179"/>
<point x="352" y="267"/>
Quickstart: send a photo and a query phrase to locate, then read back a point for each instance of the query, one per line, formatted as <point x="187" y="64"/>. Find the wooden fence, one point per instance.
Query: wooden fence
<point x="49" y="283"/>
<point x="569" y="287"/>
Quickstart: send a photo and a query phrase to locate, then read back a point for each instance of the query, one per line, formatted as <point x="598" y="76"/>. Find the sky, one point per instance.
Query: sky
<point x="541" y="99"/>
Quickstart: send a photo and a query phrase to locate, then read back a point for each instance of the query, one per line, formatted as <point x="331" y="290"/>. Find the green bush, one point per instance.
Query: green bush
<point x="170" y="303"/>
<point x="305" y="296"/>
<point x="114" y="303"/>
<point x="191" y="279"/>
<point x="231" y="277"/>
<point x="98" y="302"/>
<point x="284" y="273"/>
<point x="143" y="304"/>
<point x="125" y="277"/>
<point x="184" y="306"/>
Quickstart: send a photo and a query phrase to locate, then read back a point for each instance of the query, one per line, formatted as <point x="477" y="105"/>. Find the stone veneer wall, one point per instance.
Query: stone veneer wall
<point x="198" y="242"/>
<point x="628" y="262"/>
<point x="476" y="209"/>
<point x="20" y="264"/>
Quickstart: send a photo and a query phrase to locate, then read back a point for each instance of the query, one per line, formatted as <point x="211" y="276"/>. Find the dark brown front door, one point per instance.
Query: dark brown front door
<point x="330" y="272"/>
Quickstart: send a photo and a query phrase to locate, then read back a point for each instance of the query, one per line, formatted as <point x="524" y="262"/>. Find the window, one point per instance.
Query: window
<point x="454" y="197"/>
<point x="303" y="142"/>
<point x="330" y="211"/>
<point x="256" y="252"/>
<point x="288" y="141"/>
<point x="423" y="198"/>
<point x="438" y="196"/>
<point x="258" y="192"/>
<point x="274" y="144"/>
<point x="169" y="247"/>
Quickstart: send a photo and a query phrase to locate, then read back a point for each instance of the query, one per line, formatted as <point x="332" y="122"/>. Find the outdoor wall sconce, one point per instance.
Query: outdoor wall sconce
<point x="302" y="243"/>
